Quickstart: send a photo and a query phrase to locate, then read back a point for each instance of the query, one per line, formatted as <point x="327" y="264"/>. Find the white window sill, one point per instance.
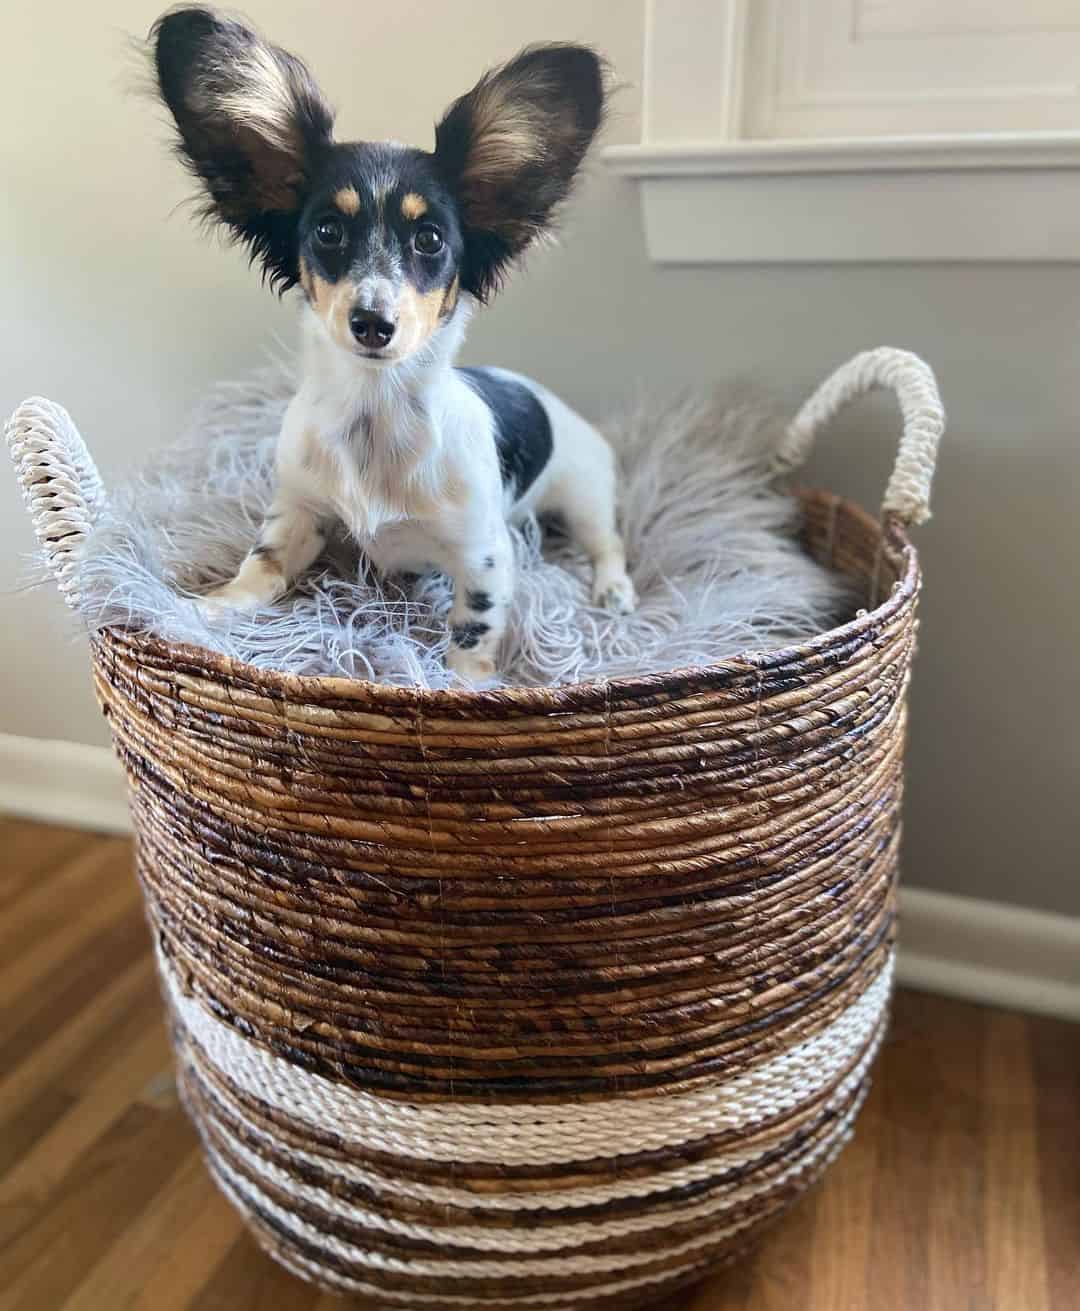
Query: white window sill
<point x="970" y="197"/>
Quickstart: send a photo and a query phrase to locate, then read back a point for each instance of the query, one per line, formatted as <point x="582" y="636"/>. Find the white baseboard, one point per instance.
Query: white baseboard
<point x="991" y="952"/>
<point x="63" y="783"/>
<point x="982" y="951"/>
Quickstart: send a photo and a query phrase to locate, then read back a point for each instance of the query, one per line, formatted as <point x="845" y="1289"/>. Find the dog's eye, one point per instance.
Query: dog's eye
<point x="428" y="240"/>
<point x="330" y="231"/>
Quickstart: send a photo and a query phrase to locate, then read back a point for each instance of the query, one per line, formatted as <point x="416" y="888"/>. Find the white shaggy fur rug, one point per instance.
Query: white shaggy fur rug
<point x="708" y="538"/>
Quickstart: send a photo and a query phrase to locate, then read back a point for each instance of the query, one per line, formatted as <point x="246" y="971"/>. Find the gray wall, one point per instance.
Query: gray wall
<point x="117" y="308"/>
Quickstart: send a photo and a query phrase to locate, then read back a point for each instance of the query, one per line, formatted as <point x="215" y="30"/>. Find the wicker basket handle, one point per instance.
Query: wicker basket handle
<point x="60" y="484"/>
<point x="907" y="496"/>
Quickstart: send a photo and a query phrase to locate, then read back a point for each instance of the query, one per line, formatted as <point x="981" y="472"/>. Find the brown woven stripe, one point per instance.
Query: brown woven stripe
<point x="807" y="920"/>
<point x="793" y="875"/>
<point x="388" y="1027"/>
<point x="766" y="824"/>
<point x="692" y="747"/>
<point x="678" y="843"/>
<point x="818" y="764"/>
<point x="817" y="999"/>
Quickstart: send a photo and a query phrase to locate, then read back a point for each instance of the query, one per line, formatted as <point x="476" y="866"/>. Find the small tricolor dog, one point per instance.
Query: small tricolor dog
<point x="393" y="247"/>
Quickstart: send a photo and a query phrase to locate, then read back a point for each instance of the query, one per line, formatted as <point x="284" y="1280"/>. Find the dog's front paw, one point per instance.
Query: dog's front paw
<point x="228" y="599"/>
<point x="614" y="592"/>
<point x="470" y="665"/>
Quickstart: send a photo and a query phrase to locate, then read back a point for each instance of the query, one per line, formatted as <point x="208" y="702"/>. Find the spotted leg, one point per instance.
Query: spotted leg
<point x="483" y="573"/>
<point x="290" y="539"/>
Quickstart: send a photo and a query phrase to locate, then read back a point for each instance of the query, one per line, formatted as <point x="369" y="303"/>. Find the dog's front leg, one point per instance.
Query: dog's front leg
<point x="483" y="574"/>
<point x="291" y="537"/>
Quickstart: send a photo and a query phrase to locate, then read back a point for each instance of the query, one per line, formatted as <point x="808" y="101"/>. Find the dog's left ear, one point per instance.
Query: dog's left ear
<point x="251" y="122"/>
<point x="510" y="150"/>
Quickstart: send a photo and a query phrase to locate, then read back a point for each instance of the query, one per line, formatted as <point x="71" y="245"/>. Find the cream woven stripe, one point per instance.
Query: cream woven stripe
<point x="530" y="1266"/>
<point x="523" y="1133"/>
<point x="713" y="1167"/>
<point x="551" y="1237"/>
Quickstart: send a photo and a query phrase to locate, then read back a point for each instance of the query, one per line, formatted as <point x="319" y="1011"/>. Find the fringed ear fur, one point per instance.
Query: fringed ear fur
<point x="511" y="148"/>
<point x="251" y="124"/>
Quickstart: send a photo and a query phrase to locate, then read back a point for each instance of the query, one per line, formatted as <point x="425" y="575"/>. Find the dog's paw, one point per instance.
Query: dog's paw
<point x="228" y="599"/>
<point x="614" y="592"/>
<point x="470" y="666"/>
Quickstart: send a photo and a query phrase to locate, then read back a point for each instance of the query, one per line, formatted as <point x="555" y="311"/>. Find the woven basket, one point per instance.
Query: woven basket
<point x="523" y="998"/>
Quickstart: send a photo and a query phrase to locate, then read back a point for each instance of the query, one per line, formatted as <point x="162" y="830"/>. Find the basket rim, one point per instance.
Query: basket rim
<point x="565" y="696"/>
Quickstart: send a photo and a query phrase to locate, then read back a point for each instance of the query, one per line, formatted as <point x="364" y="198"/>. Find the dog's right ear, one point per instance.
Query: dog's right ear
<point x="251" y="123"/>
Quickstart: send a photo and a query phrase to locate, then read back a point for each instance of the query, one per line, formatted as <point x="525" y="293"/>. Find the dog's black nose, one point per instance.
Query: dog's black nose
<point x="370" y="329"/>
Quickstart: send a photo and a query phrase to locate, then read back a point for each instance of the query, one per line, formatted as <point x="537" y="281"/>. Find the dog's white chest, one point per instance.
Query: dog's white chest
<point x="384" y="470"/>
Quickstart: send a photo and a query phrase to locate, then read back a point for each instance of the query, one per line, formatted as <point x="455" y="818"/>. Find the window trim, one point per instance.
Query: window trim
<point x="994" y="196"/>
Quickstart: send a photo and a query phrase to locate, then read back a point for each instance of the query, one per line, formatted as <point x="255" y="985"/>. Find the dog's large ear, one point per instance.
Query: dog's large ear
<point x="511" y="147"/>
<point x="251" y="123"/>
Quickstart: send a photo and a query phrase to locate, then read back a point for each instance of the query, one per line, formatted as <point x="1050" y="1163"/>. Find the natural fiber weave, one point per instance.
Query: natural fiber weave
<point x="546" y="997"/>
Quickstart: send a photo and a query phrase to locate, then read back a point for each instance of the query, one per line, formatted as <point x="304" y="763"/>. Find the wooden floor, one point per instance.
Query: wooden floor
<point x="961" y="1191"/>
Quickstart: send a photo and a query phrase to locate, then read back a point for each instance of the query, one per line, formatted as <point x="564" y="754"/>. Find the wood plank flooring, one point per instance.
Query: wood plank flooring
<point x="961" y="1191"/>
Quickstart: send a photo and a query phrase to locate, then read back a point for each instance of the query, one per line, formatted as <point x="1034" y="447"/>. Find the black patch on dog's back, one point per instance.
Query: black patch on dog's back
<point x="522" y="427"/>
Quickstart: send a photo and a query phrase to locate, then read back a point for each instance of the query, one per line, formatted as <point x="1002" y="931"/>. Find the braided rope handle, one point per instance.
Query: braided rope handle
<point x="60" y="484"/>
<point x="907" y="496"/>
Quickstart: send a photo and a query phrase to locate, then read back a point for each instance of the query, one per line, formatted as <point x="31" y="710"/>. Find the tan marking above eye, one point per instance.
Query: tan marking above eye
<point x="348" y="201"/>
<point x="413" y="206"/>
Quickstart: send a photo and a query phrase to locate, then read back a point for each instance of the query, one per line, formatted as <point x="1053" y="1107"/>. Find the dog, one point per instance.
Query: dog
<point x="422" y="462"/>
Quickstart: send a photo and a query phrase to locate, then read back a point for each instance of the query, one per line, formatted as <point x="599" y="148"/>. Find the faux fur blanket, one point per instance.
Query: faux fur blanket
<point x="709" y="540"/>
